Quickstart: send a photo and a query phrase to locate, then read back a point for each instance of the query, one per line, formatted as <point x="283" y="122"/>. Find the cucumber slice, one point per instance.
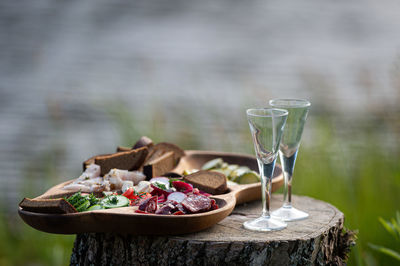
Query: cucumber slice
<point x="95" y="207"/>
<point x="74" y="198"/>
<point x="232" y="167"/>
<point x="80" y="202"/>
<point x="224" y="165"/>
<point x="216" y="163"/>
<point x="238" y="172"/>
<point x="228" y="169"/>
<point x="83" y="207"/>
<point x="248" y="178"/>
<point x="116" y="201"/>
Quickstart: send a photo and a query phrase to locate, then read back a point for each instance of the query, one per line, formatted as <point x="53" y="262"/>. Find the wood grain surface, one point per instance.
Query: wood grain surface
<point x="317" y="240"/>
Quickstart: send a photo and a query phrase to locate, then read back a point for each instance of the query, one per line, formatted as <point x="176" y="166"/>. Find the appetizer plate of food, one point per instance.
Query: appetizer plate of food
<point x="149" y="189"/>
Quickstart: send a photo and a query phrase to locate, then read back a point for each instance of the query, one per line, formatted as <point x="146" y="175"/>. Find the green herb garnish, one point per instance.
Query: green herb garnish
<point x="93" y="200"/>
<point x="160" y="185"/>
<point x="112" y="200"/>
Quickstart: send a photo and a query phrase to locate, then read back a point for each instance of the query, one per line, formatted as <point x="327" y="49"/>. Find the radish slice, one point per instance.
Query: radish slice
<point x="161" y="180"/>
<point x="182" y="186"/>
<point x="177" y="197"/>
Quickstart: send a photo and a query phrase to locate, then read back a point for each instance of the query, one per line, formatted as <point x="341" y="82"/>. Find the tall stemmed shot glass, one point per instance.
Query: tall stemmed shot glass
<point x="298" y="110"/>
<point x="266" y="126"/>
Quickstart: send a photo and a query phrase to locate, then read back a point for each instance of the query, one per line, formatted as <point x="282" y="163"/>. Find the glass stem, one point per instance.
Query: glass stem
<point x="287" y="191"/>
<point x="266" y="171"/>
<point x="288" y="160"/>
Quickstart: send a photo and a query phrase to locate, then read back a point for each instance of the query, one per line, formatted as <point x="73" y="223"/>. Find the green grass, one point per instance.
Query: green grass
<point x="349" y="171"/>
<point x="23" y="245"/>
<point x="364" y="185"/>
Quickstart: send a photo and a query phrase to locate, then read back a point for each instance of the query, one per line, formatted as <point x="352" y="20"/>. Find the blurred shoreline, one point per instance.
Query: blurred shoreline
<point x="79" y="78"/>
<point x="63" y="63"/>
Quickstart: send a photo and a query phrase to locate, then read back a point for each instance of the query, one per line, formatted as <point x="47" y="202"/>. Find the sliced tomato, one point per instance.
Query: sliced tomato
<point x="136" y="199"/>
<point x="129" y="193"/>
<point x="145" y="196"/>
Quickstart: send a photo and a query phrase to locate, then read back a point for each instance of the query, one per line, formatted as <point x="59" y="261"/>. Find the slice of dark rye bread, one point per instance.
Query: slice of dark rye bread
<point x="208" y="181"/>
<point x="142" y="142"/>
<point x="160" y="165"/>
<point x="154" y="152"/>
<point x="60" y="206"/>
<point x="162" y="148"/>
<point x="91" y="160"/>
<point x="127" y="160"/>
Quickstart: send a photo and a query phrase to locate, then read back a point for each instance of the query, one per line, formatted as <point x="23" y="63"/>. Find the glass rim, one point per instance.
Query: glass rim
<point x="274" y="112"/>
<point x="283" y="102"/>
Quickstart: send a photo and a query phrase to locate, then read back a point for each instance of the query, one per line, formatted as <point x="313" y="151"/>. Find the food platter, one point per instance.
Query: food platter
<point x="127" y="221"/>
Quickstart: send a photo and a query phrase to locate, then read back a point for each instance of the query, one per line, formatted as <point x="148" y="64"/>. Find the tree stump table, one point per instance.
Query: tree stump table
<point x="318" y="240"/>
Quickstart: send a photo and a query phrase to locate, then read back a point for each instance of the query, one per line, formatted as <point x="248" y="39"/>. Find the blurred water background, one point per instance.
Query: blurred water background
<point x="79" y="78"/>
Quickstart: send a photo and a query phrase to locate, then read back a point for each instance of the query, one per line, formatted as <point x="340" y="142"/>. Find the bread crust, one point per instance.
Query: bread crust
<point x="159" y="166"/>
<point x="208" y="181"/>
<point x="127" y="160"/>
<point x="47" y="206"/>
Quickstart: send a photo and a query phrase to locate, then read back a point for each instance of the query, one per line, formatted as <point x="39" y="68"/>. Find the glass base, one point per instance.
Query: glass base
<point x="265" y="224"/>
<point x="289" y="214"/>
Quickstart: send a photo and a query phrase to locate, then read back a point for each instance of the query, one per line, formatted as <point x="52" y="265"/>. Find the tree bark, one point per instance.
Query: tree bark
<point x="318" y="240"/>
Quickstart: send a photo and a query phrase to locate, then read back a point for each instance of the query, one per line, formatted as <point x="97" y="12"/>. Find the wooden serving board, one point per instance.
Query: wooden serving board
<point x="126" y="221"/>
